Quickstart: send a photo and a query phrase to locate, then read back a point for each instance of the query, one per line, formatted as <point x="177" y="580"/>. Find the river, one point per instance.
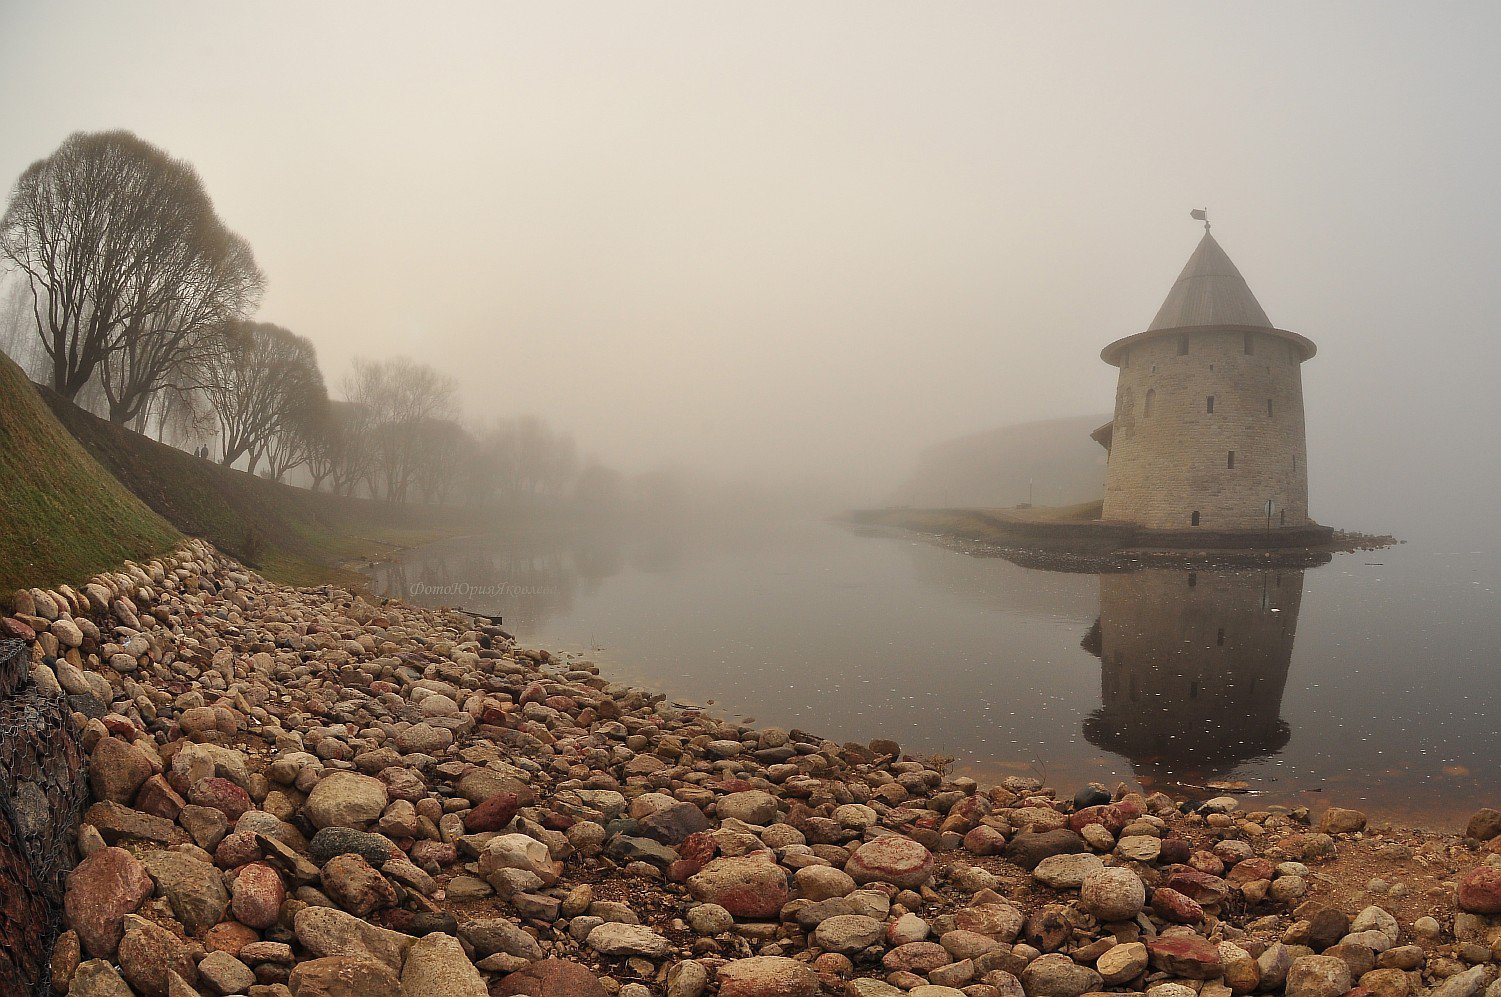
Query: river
<point x="1367" y="682"/>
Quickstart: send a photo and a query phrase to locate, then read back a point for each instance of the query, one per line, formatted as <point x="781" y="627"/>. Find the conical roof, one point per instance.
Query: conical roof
<point x="1209" y="291"/>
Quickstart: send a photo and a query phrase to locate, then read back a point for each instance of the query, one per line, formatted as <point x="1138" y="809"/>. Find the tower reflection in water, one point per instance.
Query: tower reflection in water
<point x="1192" y="670"/>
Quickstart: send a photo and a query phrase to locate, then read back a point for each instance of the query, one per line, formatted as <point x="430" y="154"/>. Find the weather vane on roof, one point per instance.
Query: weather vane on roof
<point x="1201" y="214"/>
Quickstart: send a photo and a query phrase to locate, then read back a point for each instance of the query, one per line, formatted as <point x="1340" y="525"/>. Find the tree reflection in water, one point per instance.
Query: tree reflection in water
<point x="528" y="579"/>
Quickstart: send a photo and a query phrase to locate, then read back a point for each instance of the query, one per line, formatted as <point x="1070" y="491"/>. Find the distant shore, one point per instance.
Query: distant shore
<point x="1072" y="538"/>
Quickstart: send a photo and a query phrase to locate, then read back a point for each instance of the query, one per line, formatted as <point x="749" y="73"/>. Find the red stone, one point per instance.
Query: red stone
<point x="1186" y="955"/>
<point x="966" y="814"/>
<point x="15" y="629"/>
<point x="118" y="726"/>
<point x="1480" y="890"/>
<point x="493" y="814"/>
<point x="230" y="936"/>
<point x="102" y="889"/>
<point x="158" y="798"/>
<point x="554" y="821"/>
<point x="1198" y="886"/>
<point x="1113" y="817"/>
<point x="237" y="849"/>
<point x="550" y="978"/>
<point x="1250" y="870"/>
<point x="916" y="957"/>
<point x="222" y="795"/>
<point x="699" y="847"/>
<point x="258" y="894"/>
<point x="985" y="840"/>
<point x="1174" y="906"/>
<point x="745" y="886"/>
<point x="683" y="870"/>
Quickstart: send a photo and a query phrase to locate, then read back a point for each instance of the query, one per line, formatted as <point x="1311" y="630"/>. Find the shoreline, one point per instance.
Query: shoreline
<point x="1074" y="546"/>
<point x="408" y="796"/>
<point x="1444" y="801"/>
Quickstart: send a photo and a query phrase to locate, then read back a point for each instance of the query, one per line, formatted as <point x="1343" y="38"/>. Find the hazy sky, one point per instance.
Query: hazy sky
<point x="784" y="238"/>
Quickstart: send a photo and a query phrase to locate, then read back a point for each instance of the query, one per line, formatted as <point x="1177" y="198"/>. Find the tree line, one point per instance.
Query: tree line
<point x="133" y="299"/>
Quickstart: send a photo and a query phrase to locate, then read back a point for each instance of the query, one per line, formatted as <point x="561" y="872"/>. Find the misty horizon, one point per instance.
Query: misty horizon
<point x="799" y="246"/>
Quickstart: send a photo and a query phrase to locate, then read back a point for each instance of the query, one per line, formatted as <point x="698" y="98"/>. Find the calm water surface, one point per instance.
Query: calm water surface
<point x="1369" y="682"/>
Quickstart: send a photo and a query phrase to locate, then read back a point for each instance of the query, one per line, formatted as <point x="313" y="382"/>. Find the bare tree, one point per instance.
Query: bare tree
<point x="526" y="456"/>
<point x="207" y="279"/>
<point x="182" y="415"/>
<point x="292" y="444"/>
<point x="399" y="395"/>
<point x="444" y="448"/>
<point x="350" y="451"/>
<point x="104" y="231"/>
<point x="257" y="378"/>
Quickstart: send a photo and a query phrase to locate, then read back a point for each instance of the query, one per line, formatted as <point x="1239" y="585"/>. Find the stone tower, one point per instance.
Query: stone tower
<point x="1208" y="421"/>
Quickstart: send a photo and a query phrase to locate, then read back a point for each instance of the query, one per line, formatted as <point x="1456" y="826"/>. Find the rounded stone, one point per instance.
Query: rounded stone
<point x="998" y="920"/>
<point x="1122" y="963"/>
<point x="848" y="933"/>
<point x="257" y="896"/>
<point x="916" y="957"/>
<point x="614" y="939"/>
<point x="822" y="882"/>
<point x="891" y="859"/>
<point x="1480" y="890"/>
<point x="1056" y="975"/>
<point x="710" y="919"/>
<point x="1318" y="976"/>
<point x="346" y="799"/>
<point x="1066" y="872"/>
<point x="1113" y="894"/>
<point x="334" y="841"/>
<point x="752" y="806"/>
<point x="745" y="886"/>
<point x="1139" y="848"/>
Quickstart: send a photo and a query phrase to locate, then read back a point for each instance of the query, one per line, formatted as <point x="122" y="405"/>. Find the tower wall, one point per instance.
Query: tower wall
<point x="1173" y="461"/>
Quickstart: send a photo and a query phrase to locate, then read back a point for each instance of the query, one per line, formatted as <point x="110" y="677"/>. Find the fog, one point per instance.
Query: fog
<point x="798" y="243"/>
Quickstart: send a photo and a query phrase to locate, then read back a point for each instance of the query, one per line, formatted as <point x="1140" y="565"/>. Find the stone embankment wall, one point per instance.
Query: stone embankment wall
<point x="44" y="681"/>
<point x="1170" y="455"/>
<point x="42" y="792"/>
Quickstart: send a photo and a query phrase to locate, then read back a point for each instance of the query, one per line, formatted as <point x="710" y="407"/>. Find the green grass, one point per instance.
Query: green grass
<point x="289" y="534"/>
<point x="62" y="517"/>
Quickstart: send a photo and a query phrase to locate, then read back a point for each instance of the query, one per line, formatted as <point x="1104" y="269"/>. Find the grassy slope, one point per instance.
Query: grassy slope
<point x="62" y="517"/>
<point x="289" y="534"/>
